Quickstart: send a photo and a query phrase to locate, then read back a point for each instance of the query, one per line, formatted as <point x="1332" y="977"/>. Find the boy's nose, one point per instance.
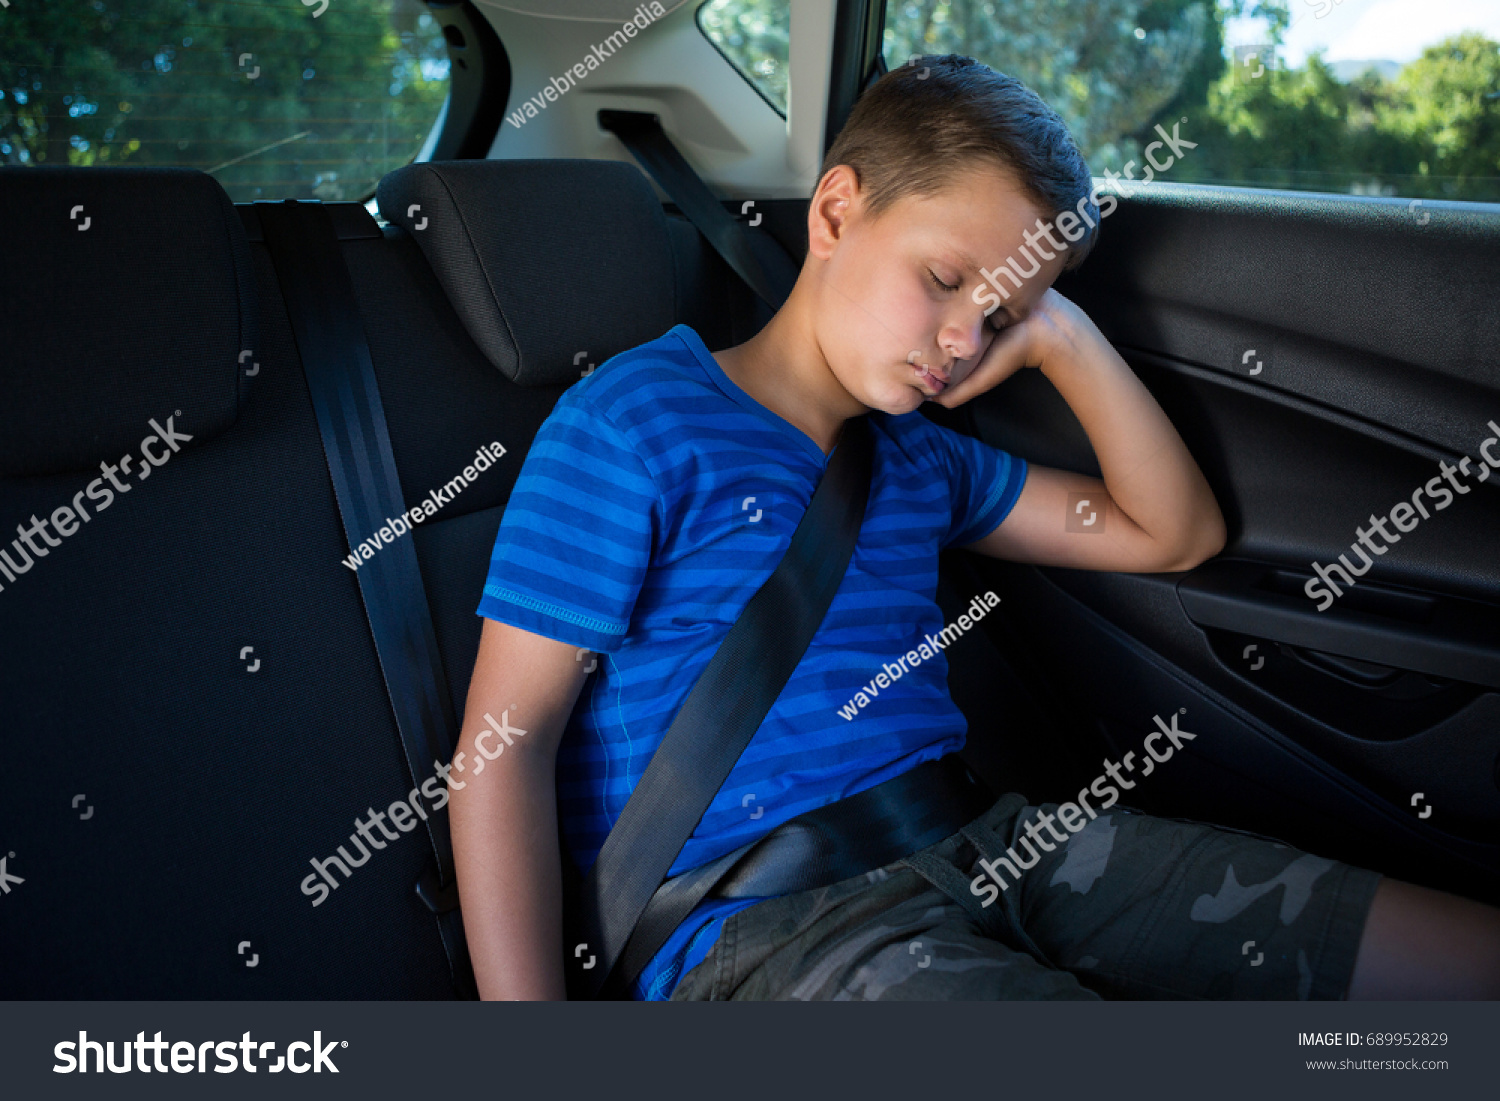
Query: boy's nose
<point x="962" y="341"/>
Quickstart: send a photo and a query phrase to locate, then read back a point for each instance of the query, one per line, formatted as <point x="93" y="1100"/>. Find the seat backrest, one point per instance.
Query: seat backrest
<point x="191" y="704"/>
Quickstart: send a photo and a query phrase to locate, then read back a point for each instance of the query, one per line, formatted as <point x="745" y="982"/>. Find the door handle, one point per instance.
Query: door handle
<point x="1444" y="636"/>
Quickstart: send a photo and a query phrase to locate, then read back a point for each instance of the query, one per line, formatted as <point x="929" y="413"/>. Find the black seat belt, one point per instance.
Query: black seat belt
<point x="320" y="303"/>
<point x="642" y="134"/>
<point x="845" y="838"/>
<point x="724" y="709"/>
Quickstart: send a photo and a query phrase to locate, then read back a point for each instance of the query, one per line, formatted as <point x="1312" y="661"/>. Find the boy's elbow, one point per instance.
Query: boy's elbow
<point x="1205" y="539"/>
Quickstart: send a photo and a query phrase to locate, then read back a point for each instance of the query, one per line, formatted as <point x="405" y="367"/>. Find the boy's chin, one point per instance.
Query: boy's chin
<point x="888" y="396"/>
<point x="902" y="400"/>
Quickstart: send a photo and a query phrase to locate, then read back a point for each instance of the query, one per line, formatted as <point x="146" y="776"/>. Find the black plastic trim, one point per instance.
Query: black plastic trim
<point x="1442" y="635"/>
<point x="858" y="30"/>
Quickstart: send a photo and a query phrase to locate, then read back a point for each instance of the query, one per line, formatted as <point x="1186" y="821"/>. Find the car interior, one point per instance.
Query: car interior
<point x="193" y="702"/>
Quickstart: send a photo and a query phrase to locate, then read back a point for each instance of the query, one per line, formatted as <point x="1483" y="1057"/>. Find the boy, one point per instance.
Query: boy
<point x="663" y="490"/>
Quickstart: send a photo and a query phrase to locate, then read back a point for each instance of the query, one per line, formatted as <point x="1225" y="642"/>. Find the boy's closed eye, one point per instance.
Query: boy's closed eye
<point x="997" y="319"/>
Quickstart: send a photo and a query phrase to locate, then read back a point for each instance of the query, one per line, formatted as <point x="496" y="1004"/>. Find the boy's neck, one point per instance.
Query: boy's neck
<point x="782" y="368"/>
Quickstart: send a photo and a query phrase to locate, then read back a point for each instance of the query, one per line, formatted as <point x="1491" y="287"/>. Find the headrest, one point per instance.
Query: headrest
<point x="125" y="295"/>
<point x="551" y="264"/>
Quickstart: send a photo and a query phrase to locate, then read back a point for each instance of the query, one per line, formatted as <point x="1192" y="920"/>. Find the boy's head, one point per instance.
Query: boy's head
<point x="937" y="222"/>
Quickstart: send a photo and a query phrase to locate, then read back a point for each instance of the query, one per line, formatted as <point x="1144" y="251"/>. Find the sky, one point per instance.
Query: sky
<point x="1371" y="30"/>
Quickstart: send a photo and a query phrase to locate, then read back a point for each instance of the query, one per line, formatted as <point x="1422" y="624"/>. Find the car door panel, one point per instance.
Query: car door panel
<point x="1320" y="356"/>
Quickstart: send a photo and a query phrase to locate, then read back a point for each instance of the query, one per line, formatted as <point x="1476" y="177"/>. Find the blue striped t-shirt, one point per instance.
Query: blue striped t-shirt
<point x="657" y="498"/>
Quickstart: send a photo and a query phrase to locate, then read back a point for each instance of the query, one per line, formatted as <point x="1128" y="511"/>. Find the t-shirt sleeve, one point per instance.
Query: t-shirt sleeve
<point x="576" y="538"/>
<point x="985" y="483"/>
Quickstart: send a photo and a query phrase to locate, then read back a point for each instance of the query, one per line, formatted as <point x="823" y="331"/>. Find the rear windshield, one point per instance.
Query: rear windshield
<point x="307" y="99"/>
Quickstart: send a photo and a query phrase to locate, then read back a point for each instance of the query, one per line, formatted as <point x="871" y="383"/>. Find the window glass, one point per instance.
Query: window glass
<point x="755" y="36"/>
<point x="1381" y="97"/>
<point x="285" y="99"/>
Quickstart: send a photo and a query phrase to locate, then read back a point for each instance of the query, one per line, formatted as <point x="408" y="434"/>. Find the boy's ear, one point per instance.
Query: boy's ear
<point x="827" y="215"/>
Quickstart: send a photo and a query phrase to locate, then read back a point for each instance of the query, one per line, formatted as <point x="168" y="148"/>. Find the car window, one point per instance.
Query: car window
<point x="754" y="35"/>
<point x="317" y="99"/>
<point x="1382" y="97"/>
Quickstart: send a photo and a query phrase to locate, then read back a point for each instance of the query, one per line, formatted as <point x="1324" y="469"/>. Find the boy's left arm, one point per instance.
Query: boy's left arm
<point x="1153" y="509"/>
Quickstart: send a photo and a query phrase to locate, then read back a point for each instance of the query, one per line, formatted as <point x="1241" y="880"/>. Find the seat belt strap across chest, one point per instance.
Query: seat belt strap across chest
<point x="725" y="708"/>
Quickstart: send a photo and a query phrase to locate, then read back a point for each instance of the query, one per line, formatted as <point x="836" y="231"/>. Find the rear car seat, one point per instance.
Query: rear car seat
<point x="191" y="708"/>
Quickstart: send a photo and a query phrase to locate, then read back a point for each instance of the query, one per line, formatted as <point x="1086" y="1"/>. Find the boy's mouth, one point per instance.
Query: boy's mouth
<point x="931" y="378"/>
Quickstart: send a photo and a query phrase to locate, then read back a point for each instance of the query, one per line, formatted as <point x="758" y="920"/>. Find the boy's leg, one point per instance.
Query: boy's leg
<point x="1424" y="944"/>
<point x="1135" y="906"/>
<point x="1185" y="909"/>
<point x="887" y="936"/>
<point x="1144" y="907"/>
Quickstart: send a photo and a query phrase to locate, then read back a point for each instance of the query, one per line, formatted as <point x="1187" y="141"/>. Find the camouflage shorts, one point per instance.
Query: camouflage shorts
<point x="1130" y="906"/>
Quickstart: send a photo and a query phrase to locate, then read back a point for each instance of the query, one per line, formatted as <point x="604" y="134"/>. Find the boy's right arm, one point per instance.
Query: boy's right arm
<point x="504" y="819"/>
